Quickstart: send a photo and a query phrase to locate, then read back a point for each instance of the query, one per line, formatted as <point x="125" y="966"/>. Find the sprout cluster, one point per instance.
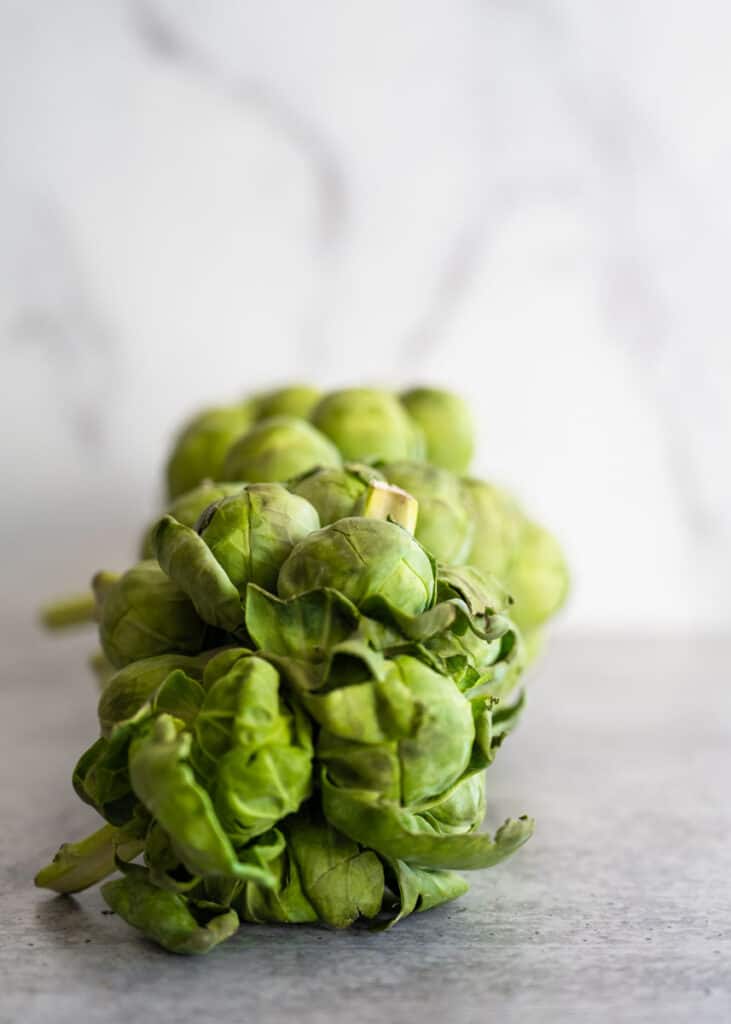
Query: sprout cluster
<point x="308" y="673"/>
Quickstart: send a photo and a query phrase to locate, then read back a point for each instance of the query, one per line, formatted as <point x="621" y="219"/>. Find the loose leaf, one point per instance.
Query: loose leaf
<point x="403" y="834"/>
<point x="166" y="786"/>
<point x="179" y="924"/>
<point x="189" y="562"/>
<point x="76" y="866"/>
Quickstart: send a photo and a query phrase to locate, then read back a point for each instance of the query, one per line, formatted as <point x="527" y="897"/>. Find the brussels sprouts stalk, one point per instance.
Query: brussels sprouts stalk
<point x="384" y="501"/>
<point x="69" y="611"/>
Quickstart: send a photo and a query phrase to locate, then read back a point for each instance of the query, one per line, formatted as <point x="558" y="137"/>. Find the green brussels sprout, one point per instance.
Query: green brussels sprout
<point x="129" y="687"/>
<point x="446" y="422"/>
<point x="417" y="766"/>
<point x="186" y="508"/>
<point x="336" y="493"/>
<point x="365" y="559"/>
<point x="368" y="425"/>
<point x="178" y="923"/>
<point x="298" y="401"/>
<point x="498" y="521"/>
<point x="251" y="533"/>
<point x="252" y="749"/>
<point x="321" y="876"/>
<point x="201" y="446"/>
<point x="443" y="525"/>
<point x="143" y="614"/>
<point x="241" y="539"/>
<point x="538" y="577"/>
<point x="277" y="449"/>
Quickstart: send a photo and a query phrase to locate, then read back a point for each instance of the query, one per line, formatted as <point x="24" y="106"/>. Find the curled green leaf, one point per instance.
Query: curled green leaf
<point x="177" y="923"/>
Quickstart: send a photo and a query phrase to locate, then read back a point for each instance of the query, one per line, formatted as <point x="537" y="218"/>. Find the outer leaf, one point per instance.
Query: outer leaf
<point x="341" y="881"/>
<point x="304" y="627"/>
<point x="76" y="866"/>
<point x="364" y="559"/>
<point x="187" y="559"/>
<point x="144" y="614"/>
<point x="253" y="750"/>
<point x="130" y="687"/>
<point x="402" y="834"/>
<point x="179" y="924"/>
<point x="251" y="533"/>
<point x="166" y="786"/>
<point x="421" y="889"/>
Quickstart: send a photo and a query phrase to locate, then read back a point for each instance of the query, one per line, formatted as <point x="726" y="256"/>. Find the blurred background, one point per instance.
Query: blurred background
<point x="524" y="201"/>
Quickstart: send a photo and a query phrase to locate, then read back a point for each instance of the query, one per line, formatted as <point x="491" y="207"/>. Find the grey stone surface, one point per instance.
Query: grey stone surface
<point x="618" y="909"/>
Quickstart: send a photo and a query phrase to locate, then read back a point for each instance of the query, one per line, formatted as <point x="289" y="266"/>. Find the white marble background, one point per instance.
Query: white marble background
<point x="527" y="200"/>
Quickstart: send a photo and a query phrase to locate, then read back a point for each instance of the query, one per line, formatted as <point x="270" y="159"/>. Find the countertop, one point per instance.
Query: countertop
<point x="618" y="909"/>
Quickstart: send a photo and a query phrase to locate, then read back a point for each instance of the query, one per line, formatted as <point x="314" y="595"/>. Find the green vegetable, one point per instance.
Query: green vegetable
<point x="362" y="559"/>
<point x="187" y="507"/>
<point x="336" y="493"/>
<point x="177" y="923"/>
<point x="252" y="748"/>
<point x="498" y="524"/>
<point x="444" y="525"/>
<point x="538" y="577"/>
<point x="417" y="766"/>
<point x="76" y="866"/>
<point x="201" y="446"/>
<point x="296" y="401"/>
<point x="368" y="426"/>
<point x="446" y="422"/>
<point x="130" y="687"/>
<point x="164" y="782"/>
<point x="241" y="539"/>
<point x="322" y="875"/>
<point x="143" y="614"/>
<point x="277" y="449"/>
<point x="307" y="696"/>
<point x="414" y="835"/>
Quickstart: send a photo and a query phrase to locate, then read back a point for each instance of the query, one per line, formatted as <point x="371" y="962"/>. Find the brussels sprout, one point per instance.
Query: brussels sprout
<point x="251" y="748"/>
<point x="538" y="577"/>
<point x="368" y="425"/>
<point x="277" y="449"/>
<point x="365" y="559"/>
<point x="143" y="614"/>
<point x="298" y="401"/>
<point x="321" y="876"/>
<point x="251" y="533"/>
<point x="201" y="446"/>
<point x="130" y="687"/>
<point x="177" y="922"/>
<point x="447" y="425"/>
<point x="186" y="508"/>
<point x="498" y="524"/>
<point x="443" y="524"/>
<point x="242" y="539"/>
<point x="336" y="493"/>
<point x="417" y="766"/>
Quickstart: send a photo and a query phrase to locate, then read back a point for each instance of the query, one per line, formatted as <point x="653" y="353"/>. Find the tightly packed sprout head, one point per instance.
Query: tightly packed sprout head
<point x="519" y="552"/>
<point x="336" y="493"/>
<point x="298" y="401"/>
<point x="277" y="449"/>
<point x="144" y="613"/>
<point x="446" y="423"/>
<point x="366" y="560"/>
<point x="199" y="451"/>
<point x="444" y="525"/>
<point x="187" y="507"/>
<point x="240" y="539"/>
<point x="368" y="425"/>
